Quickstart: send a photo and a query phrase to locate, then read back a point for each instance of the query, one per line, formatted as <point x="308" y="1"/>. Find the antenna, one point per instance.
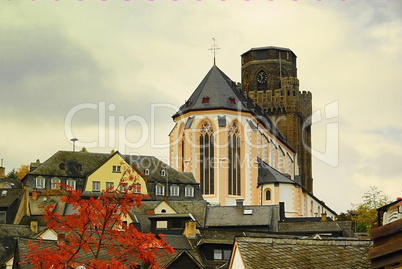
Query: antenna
<point x="74" y="140"/>
<point x="214" y="49"/>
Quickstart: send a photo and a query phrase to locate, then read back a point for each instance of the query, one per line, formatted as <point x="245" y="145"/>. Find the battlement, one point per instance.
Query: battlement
<point x="306" y="95"/>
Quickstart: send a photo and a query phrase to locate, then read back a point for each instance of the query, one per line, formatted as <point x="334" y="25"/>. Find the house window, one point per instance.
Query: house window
<point x="62" y="166"/>
<point x="205" y="99"/>
<point x="3" y="219"/>
<point x="206" y="158"/>
<point x="162" y="224"/>
<point x="54" y="183"/>
<point x="177" y="224"/>
<point x="146" y="172"/>
<point x="137" y="188"/>
<point x="122" y="188"/>
<point x="116" y="169"/>
<point x="268" y="195"/>
<point x="222" y="254"/>
<point x="234" y="160"/>
<point x="189" y="191"/>
<point x="79" y="167"/>
<point x="95" y="186"/>
<point x="174" y="190"/>
<point x="163" y="173"/>
<point x="232" y="100"/>
<point x="160" y="189"/>
<point x="40" y="182"/>
<point x="110" y="185"/>
<point x="71" y="183"/>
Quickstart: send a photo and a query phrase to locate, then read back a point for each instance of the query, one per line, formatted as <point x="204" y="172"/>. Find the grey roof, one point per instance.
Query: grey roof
<point x="89" y="162"/>
<point x="268" y="48"/>
<point x="220" y="89"/>
<point x="309" y="227"/>
<point x="37" y="207"/>
<point x="10" y="196"/>
<point x="230" y="216"/>
<point x="196" y="208"/>
<point x="8" y="236"/>
<point x="268" y="174"/>
<point x="302" y="253"/>
<point x="177" y="241"/>
<point x="155" y="166"/>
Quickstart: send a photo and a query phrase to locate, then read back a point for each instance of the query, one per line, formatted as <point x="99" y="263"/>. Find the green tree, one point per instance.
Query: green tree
<point x="365" y="213"/>
<point x="12" y="174"/>
<point x="84" y="149"/>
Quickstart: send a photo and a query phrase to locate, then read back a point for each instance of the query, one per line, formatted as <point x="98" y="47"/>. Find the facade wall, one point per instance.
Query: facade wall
<point x="253" y="144"/>
<point x="105" y="174"/>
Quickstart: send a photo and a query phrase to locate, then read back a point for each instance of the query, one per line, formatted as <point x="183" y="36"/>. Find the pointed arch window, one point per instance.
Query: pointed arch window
<point x="207" y="158"/>
<point x="234" y="186"/>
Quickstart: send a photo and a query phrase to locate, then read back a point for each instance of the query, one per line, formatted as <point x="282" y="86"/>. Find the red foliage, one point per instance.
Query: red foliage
<point x="95" y="236"/>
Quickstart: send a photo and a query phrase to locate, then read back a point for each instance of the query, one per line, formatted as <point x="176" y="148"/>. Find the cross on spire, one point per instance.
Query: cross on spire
<point x="214" y="49"/>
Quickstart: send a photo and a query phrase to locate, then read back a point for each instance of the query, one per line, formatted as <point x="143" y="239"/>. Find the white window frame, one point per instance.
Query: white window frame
<point x="146" y="172"/>
<point x="73" y="185"/>
<point x="189" y="191"/>
<point x="108" y="184"/>
<point x="53" y="184"/>
<point x="174" y="190"/>
<point x="160" y="190"/>
<point x="95" y="184"/>
<point x="137" y="187"/>
<point x="40" y="182"/>
<point x="163" y="173"/>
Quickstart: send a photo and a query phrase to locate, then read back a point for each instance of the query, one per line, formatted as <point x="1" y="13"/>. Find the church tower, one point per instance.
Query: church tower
<point x="269" y="77"/>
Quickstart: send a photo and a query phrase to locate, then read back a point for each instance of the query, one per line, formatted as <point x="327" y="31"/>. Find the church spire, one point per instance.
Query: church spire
<point x="214" y="49"/>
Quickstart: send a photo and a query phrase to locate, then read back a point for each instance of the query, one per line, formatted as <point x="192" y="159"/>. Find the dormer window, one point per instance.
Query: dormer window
<point x="187" y="103"/>
<point x="163" y="173"/>
<point x="146" y="172"/>
<point x="62" y="166"/>
<point x="232" y="100"/>
<point x="79" y="167"/>
<point x="205" y="100"/>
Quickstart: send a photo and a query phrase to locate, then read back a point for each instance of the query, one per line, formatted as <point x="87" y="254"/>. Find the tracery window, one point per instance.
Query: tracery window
<point x="207" y="158"/>
<point x="234" y="159"/>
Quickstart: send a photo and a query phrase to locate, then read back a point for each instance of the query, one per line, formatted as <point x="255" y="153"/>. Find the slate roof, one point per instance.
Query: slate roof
<point x="302" y="253"/>
<point x="155" y="166"/>
<point x="231" y="216"/>
<point x="8" y="236"/>
<point x="196" y="208"/>
<point x="268" y="174"/>
<point x="310" y="227"/>
<point x="267" y="48"/>
<point x="220" y="89"/>
<point x="89" y="162"/>
<point x="10" y="196"/>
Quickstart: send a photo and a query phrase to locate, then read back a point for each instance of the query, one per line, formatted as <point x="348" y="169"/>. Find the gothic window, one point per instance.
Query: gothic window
<point x="182" y="152"/>
<point x="207" y="158"/>
<point x="234" y="160"/>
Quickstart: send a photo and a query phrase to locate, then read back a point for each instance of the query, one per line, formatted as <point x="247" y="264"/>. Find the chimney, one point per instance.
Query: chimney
<point x="190" y="230"/>
<point x="61" y="239"/>
<point x="239" y="203"/>
<point x="2" y="170"/>
<point x="324" y="217"/>
<point x="34" y="227"/>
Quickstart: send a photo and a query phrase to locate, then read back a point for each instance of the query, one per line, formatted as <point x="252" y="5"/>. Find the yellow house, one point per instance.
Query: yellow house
<point x="111" y="172"/>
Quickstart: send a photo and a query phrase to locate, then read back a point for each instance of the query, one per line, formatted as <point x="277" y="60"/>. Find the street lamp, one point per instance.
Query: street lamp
<point x="74" y="140"/>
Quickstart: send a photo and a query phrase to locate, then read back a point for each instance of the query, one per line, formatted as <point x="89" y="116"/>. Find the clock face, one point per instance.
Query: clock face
<point x="261" y="77"/>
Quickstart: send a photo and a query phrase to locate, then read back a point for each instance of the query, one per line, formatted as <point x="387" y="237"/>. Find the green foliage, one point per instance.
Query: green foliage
<point x="84" y="149"/>
<point x="367" y="211"/>
<point x="12" y="174"/>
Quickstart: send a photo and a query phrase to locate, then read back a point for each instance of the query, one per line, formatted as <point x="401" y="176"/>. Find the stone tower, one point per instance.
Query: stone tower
<point x="269" y="77"/>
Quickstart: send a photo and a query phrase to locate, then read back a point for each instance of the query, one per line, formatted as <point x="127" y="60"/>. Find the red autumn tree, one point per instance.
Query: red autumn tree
<point x="97" y="231"/>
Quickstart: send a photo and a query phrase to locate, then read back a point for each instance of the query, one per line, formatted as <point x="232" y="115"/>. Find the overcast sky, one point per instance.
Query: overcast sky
<point x="72" y="68"/>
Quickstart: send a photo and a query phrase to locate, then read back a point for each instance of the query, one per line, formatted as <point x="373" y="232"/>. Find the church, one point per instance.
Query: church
<point x="250" y="142"/>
